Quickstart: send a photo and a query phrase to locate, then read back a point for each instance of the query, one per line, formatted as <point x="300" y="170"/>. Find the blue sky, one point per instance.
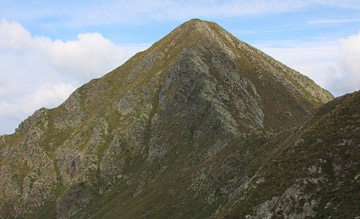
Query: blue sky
<point x="49" y="48"/>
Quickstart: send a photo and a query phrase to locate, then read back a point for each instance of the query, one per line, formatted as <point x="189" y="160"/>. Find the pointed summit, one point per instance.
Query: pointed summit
<point x="266" y="93"/>
<point x="210" y="35"/>
<point x="196" y="26"/>
<point x="175" y="126"/>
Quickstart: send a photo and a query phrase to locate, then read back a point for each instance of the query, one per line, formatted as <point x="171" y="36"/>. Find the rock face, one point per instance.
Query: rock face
<point x="182" y="129"/>
<point x="311" y="171"/>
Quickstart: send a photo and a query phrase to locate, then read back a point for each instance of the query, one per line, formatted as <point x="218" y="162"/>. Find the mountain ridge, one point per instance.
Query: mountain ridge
<point x="174" y="129"/>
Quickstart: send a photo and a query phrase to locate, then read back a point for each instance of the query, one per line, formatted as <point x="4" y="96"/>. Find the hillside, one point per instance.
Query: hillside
<point x="311" y="171"/>
<point x="176" y="131"/>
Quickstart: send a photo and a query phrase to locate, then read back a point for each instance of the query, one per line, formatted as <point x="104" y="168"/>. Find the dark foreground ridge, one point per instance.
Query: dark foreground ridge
<point x="199" y="125"/>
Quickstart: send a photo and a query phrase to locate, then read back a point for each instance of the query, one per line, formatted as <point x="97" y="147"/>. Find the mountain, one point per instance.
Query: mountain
<point x="199" y="125"/>
<point x="311" y="171"/>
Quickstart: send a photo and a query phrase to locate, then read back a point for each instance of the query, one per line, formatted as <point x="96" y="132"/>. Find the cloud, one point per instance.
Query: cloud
<point x="333" y="65"/>
<point x="39" y="72"/>
<point x="348" y="79"/>
<point x="49" y="95"/>
<point x="13" y="35"/>
<point x="314" y="59"/>
<point x="333" y="21"/>
<point x="351" y="50"/>
<point x="91" y="55"/>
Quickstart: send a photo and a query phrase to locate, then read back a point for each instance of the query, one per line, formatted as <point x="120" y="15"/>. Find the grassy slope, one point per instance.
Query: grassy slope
<point x="330" y="139"/>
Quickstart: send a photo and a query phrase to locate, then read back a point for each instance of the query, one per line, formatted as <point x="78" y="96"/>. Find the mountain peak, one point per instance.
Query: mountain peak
<point x="195" y="22"/>
<point x="195" y="26"/>
<point x="175" y="126"/>
<point x="196" y="31"/>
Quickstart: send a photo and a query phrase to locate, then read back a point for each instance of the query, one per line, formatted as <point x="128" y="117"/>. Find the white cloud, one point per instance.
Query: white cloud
<point x="49" y="95"/>
<point x="314" y="59"/>
<point x="333" y="21"/>
<point x="38" y="72"/>
<point x="351" y="50"/>
<point x="91" y="55"/>
<point x="349" y="78"/>
<point x="13" y="35"/>
<point x="333" y="65"/>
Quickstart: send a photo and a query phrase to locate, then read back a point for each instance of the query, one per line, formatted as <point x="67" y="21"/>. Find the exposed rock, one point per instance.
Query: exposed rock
<point x="309" y="181"/>
<point x="74" y="199"/>
<point x="27" y="123"/>
<point x="184" y="129"/>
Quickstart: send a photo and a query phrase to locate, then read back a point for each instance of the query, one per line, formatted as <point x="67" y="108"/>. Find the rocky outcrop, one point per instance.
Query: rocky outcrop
<point x="26" y="124"/>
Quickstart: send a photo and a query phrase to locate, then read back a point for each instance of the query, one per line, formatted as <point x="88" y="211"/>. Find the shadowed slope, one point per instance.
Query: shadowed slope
<point x="312" y="171"/>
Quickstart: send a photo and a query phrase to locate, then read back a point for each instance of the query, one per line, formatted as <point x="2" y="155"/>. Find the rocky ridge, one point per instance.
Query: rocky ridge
<point x="173" y="131"/>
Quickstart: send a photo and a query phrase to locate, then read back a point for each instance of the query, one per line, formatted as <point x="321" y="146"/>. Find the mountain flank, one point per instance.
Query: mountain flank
<point x="311" y="171"/>
<point x="200" y="125"/>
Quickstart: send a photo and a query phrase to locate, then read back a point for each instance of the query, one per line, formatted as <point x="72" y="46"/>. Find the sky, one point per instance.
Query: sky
<point x="49" y="48"/>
